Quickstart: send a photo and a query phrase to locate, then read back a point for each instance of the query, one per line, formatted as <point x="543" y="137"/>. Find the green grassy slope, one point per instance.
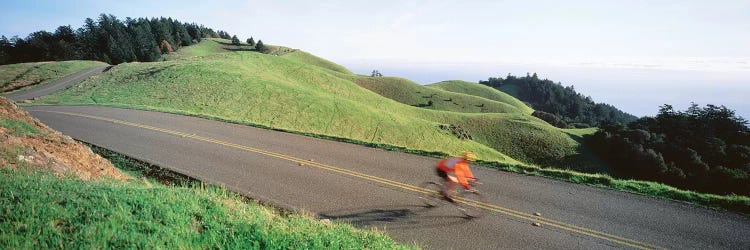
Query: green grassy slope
<point x="40" y="211"/>
<point x="410" y="93"/>
<point x="217" y="45"/>
<point x="282" y="93"/>
<point x="204" y="48"/>
<point x="472" y="88"/>
<point x="15" y="76"/>
<point x="308" y="58"/>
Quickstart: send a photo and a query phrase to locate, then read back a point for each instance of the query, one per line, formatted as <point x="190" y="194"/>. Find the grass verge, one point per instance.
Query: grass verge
<point x="736" y="203"/>
<point x="141" y="169"/>
<point x="39" y="210"/>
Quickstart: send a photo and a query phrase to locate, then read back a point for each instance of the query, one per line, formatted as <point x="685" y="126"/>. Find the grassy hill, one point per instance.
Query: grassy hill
<point x="207" y="47"/>
<point x="475" y="89"/>
<point x="410" y="93"/>
<point x="21" y="75"/>
<point x="285" y="92"/>
<point x="561" y="106"/>
<point x="308" y="58"/>
<point x="218" y="45"/>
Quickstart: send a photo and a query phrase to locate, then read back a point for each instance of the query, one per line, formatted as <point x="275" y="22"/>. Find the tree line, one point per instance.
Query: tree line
<point x="705" y="149"/>
<point x="560" y="106"/>
<point x="107" y="39"/>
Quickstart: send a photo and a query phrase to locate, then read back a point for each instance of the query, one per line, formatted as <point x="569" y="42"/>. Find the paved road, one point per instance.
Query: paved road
<point x="372" y="187"/>
<point x="37" y="91"/>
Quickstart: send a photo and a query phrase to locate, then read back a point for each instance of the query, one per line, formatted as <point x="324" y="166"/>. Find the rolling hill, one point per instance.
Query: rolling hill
<point x="410" y="93"/>
<point x="475" y="89"/>
<point x="303" y="93"/>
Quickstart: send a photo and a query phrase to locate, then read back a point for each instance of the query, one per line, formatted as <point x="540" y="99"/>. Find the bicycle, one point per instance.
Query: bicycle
<point x="464" y="200"/>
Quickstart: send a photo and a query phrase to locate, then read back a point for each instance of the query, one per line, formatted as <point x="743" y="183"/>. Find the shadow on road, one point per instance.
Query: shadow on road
<point x="397" y="217"/>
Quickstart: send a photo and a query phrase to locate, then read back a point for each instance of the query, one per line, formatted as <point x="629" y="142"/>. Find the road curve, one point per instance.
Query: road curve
<point x="37" y="91"/>
<point x="373" y="188"/>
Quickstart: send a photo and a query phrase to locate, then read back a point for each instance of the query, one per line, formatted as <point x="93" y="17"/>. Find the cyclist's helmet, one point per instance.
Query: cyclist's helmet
<point x="469" y="156"/>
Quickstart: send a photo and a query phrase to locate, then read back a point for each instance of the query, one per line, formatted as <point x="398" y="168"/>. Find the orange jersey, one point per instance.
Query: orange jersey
<point x="458" y="166"/>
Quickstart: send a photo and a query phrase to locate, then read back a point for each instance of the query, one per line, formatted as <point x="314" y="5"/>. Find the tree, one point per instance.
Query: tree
<point x="235" y="40"/>
<point x="705" y="149"/>
<point x="161" y="28"/>
<point x="223" y="34"/>
<point x="259" y="46"/>
<point x="376" y="73"/>
<point x="544" y="95"/>
<point x="250" y="41"/>
<point x="105" y="39"/>
<point x="194" y="31"/>
<point x="5" y="48"/>
<point x="145" y="45"/>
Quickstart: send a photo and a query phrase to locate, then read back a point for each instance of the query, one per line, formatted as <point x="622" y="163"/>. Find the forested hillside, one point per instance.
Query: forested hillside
<point x="107" y="39"/>
<point x="704" y="149"/>
<point x="560" y="106"/>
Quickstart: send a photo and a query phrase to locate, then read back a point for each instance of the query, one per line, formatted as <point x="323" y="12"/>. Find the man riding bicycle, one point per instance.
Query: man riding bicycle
<point x="459" y="167"/>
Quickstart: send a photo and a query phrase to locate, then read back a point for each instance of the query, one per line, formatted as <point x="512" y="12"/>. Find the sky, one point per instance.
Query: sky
<point x="635" y="55"/>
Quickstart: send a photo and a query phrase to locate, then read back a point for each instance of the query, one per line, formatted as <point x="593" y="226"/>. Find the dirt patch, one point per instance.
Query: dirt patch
<point x="457" y="130"/>
<point x="45" y="148"/>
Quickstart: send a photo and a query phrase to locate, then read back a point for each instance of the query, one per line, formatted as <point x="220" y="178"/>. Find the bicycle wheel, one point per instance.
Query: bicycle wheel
<point x="434" y="196"/>
<point x="469" y="204"/>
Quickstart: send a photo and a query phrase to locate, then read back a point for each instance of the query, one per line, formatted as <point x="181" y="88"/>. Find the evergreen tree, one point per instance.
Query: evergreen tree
<point x="182" y="38"/>
<point x="162" y="33"/>
<point x="5" y="48"/>
<point x="235" y="40"/>
<point x="146" y="48"/>
<point x="705" y="149"/>
<point x="259" y="46"/>
<point x="194" y="31"/>
<point x="250" y="41"/>
<point x="224" y="35"/>
<point x="118" y="40"/>
<point x="558" y="102"/>
<point x="64" y="46"/>
<point x="105" y="39"/>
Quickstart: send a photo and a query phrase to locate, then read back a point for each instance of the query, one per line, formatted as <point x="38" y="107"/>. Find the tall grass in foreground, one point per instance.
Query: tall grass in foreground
<point x="41" y="211"/>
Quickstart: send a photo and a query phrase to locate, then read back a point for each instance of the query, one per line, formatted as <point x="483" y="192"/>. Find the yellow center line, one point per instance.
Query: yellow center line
<point x="487" y="206"/>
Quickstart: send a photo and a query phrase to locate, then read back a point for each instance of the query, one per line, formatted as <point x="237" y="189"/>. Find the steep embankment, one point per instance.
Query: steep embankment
<point x="26" y="142"/>
<point x="286" y="92"/>
<point x="17" y="76"/>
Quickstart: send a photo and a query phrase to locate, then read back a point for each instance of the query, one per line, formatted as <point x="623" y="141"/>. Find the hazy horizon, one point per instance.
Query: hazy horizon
<point x="635" y="55"/>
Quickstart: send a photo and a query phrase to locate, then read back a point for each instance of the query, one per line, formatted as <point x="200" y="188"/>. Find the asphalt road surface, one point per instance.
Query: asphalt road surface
<point x="375" y="188"/>
<point x="37" y="91"/>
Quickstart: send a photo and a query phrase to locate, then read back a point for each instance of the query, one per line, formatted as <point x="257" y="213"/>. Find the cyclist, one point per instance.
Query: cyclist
<point x="459" y="167"/>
